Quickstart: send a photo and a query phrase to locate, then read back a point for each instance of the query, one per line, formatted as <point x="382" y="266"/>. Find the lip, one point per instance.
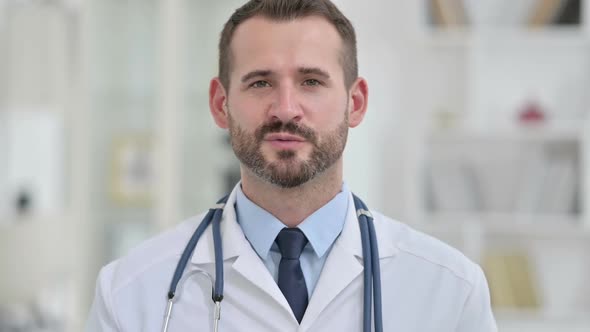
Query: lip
<point x="284" y="137"/>
<point x="284" y="140"/>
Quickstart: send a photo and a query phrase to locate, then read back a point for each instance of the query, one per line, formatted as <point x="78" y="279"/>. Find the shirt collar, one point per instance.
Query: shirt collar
<point x="321" y="228"/>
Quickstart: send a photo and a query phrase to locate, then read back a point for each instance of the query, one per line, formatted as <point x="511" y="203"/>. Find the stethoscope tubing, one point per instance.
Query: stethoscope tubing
<point x="218" y="290"/>
<point x="376" y="270"/>
<point x="372" y="271"/>
<point x="368" y="281"/>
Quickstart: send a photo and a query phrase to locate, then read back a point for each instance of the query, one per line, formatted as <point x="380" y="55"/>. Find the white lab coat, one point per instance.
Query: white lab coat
<point x="426" y="285"/>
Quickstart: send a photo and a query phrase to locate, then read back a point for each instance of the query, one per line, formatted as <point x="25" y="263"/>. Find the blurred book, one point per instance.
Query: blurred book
<point x="496" y="273"/>
<point x="453" y="186"/>
<point x="497" y="167"/>
<point x="544" y="12"/>
<point x="571" y="13"/>
<point x="532" y="183"/>
<point x="511" y="280"/>
<point x="448" y="12"/>
<point x="559" y="194"/>
<point x="534" y="13"/>
<point x="547" y="12"/>
<point x="522" y="179"/>
<point x="549" y="184"/>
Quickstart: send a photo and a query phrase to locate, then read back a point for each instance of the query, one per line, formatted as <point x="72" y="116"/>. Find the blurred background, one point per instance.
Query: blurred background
<point x="477" y="133"/>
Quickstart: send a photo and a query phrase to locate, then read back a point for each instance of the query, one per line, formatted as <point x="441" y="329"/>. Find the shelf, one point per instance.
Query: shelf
<point x="575" y="320"/>
<point x="522" y="133"/>
<point x="539" y="321"/>
<point x="539" y="315"/>
<point x="9" y="223"/>
<point x="457" y="37"/>
<point x="507" y="224"/>
<point x="521" y="37"/>
<point x="471" y="157"/>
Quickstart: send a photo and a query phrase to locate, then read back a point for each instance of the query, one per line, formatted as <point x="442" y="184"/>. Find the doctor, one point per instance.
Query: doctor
<point x="288" y="92"/>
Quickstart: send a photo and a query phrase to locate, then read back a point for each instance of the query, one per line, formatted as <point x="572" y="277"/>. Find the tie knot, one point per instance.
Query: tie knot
<point x="291" y="242"/>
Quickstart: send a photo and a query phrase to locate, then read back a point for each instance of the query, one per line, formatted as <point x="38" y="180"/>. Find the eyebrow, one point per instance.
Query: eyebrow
<point x="302" y="70"/>
<point x="314" y="70"/>
<point x="256" y="73"/>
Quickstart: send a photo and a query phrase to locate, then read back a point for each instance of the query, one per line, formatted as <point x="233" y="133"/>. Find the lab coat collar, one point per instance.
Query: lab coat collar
<point x="235" y="244"/>
<point x="343" y="265"/>
<point x="350" y="238"/>
<point x="233" y="240"/>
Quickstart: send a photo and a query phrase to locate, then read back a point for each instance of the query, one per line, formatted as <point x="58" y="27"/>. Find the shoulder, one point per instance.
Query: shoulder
<point x="426" y="250"/>
<point x="162" y="250"/>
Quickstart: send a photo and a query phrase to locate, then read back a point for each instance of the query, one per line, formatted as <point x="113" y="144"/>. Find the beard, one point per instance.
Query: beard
<point x="288" y="170"/>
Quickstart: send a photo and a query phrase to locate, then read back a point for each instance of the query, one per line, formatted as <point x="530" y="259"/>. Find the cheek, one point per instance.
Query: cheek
<point x="246" y="114"/>
<point x="328" y="112"/>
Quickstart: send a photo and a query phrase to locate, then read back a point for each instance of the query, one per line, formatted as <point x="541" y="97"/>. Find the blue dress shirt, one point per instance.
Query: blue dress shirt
<point x="321" y="229"/>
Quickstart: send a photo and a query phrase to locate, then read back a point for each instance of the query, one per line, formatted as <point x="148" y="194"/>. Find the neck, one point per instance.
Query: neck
<point x="292" y="205"/>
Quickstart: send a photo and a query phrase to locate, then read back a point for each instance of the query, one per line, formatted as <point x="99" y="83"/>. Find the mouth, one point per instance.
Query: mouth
<point x="284" y="140"/>
<point x="284" y="137"/>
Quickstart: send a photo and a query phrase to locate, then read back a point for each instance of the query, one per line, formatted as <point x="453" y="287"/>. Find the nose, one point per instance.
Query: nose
<point x="286" y="106"/>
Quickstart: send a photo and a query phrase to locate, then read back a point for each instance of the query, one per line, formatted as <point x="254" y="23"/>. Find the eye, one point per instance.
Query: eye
<point x="260" y="84"/>
<point x="311" y="82"/>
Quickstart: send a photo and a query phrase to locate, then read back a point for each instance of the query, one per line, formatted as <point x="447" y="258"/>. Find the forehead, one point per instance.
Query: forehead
<point x="262" y="43"/>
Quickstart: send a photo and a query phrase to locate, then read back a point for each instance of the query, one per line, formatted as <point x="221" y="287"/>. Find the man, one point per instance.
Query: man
<point x="287" y="92"/>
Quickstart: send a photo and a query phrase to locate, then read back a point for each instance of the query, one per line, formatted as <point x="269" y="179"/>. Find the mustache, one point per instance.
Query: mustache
<point x="286" y="127"/>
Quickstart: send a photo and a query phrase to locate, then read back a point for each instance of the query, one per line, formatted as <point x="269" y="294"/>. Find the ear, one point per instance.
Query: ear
<point x="217" y="103"/>
<point x="359" y="98"/>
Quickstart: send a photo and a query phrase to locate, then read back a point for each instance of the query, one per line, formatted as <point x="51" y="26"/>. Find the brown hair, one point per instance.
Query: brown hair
<point x="286" y="10"/>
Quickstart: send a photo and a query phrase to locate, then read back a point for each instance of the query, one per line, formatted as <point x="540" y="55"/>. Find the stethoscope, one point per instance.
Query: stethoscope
<point x="371" y="274"/>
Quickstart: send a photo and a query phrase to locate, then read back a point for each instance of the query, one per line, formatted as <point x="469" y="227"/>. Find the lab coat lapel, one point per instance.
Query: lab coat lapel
<point x="341" y="268"/>
<point x="232" y="238"/>
<point x="235" y="244"/>
<point x="344" y="263"/>
<point x="249" y="266"/>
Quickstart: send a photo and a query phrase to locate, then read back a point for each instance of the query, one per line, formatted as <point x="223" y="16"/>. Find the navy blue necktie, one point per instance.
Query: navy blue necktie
<point x="291" y="242"/>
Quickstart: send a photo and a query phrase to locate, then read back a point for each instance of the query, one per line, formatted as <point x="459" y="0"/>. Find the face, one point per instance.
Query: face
<point x="287" y="108"/>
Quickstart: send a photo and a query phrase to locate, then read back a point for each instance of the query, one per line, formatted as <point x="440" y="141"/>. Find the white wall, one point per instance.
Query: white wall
<point x="35" y="67"/>
<point x="373" y="164"/>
